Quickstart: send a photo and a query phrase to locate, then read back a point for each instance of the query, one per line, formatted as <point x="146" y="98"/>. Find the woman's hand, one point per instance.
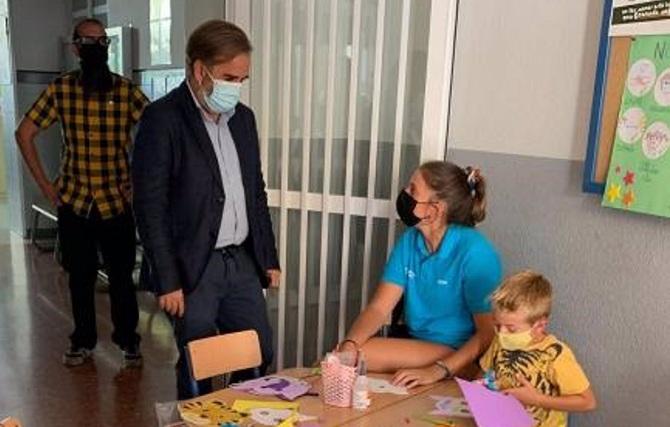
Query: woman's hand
<point x="347" y="346"/>
<point x="415" y="377"/>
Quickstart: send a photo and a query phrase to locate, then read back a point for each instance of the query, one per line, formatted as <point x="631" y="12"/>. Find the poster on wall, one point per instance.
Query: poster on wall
<point x="639" y="174"/>
<point x="639" y="17"/>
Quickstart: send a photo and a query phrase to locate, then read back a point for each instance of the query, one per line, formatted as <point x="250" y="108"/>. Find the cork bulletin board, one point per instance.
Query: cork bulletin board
<point x="622" y="21"/>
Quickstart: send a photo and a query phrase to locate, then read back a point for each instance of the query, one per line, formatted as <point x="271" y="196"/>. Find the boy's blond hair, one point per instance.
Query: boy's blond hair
<point x="526" y="289"/>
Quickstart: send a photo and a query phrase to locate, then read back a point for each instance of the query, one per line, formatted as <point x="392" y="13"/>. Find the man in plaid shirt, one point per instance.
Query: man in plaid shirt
<point x="97" y="110"/>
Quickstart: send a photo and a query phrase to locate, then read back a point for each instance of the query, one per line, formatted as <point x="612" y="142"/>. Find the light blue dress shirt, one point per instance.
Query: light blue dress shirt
<point x="234" y="224"/>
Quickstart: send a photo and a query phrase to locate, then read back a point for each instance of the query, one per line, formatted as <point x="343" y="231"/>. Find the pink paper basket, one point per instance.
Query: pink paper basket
<point x="337" y="383"/>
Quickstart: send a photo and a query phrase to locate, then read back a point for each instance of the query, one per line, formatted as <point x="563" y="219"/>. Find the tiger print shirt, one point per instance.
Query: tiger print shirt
<point x="549" y="365"/>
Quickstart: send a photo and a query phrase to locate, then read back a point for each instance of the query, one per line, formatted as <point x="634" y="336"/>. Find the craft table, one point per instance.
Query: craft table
<point x="385" y="409"/>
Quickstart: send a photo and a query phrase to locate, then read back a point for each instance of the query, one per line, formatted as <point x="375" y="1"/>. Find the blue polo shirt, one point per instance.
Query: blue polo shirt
<point x="444" y="289"/>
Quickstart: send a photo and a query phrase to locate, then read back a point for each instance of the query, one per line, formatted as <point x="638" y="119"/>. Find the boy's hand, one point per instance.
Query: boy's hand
<point x="526" y="394"/>
<point x="414" y="377"/>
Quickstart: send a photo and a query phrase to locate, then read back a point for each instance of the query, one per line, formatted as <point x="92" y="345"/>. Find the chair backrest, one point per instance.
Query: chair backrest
<point x="225" y="353"/>
<point x="10" y="422"/>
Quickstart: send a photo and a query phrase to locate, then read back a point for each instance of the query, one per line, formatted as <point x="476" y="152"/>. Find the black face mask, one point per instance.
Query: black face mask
<point x="95" y="74"/>
<point x="405" y="205"/>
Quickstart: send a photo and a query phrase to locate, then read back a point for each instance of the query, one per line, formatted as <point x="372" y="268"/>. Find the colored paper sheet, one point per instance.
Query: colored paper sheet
<point x="272" y="385"/>
<point x="494" y="409"/>
<point x="379" y="385"/>
<point x="208" y="412"/>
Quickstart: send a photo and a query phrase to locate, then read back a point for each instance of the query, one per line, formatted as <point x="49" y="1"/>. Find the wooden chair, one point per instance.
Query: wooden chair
<point x="222" y="354"/>
<point x="394" y="326"/>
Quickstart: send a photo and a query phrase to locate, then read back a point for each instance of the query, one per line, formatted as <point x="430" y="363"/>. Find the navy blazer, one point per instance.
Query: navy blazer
<point x="178" y="195"/>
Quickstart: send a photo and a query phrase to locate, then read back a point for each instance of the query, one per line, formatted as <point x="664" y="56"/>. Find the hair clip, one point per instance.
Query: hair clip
<point x="473" y="178"/>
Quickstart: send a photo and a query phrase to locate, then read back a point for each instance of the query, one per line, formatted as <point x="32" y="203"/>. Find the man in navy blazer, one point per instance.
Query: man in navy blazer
<point x="200" y="200"/>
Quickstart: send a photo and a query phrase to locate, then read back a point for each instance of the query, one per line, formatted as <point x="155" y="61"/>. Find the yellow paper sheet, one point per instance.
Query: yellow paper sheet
<point x="246" y="405"/>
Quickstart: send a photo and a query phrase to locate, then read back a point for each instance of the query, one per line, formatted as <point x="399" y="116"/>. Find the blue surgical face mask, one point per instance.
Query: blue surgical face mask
<point x="224" y="96"/>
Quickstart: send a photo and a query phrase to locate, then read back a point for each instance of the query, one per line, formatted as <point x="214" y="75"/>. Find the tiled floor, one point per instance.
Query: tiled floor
<point x="35" y="321"/>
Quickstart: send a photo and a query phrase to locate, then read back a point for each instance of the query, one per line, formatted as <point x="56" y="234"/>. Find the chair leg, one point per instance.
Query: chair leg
<point x="195" y="390"/>
<point x="33" y="234"/>
<point x="57" y="254"/>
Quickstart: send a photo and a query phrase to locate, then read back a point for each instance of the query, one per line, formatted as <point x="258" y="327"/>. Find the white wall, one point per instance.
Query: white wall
<point x="38" y="28"/>
<point x="522" y="96"/>
<point x="186" y="15"/>
<point x="197" y="13"/>
<point x="135" y="14"/>
<point x="524" y="76"/>
<point x="609" y="273"/>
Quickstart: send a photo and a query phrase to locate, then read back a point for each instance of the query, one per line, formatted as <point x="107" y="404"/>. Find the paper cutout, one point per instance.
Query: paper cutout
<point x="614" y="193"/>
<point x="631" y="125"/>
<point x="269" y="413"/>
<point x="641" y="77"/>
<point x="378" y="385"/>
<point x="628" y="198"/>
<point x="662" y="89"/>
<point x="451" y="407"/>
<point x="270" y="417"/>
<point x="208" y="412"/>
<point x="494" y="409"/>
<point x="656" y="140"/>
<point x="629" y="178"/>
<point x="283" y="387"/>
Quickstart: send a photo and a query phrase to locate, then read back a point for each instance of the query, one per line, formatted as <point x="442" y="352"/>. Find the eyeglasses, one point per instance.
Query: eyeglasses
<point x="88" y="41"/>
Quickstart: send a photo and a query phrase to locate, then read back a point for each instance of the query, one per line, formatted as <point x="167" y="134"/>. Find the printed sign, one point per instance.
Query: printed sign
<point x="640" y="17"/>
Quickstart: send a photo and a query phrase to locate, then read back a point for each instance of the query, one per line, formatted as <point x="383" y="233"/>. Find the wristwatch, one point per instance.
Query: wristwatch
<point x="447" y="371"/>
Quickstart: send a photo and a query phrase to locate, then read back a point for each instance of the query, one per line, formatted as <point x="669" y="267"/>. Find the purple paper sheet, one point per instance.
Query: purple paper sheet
<point x="494" y="409"/>
<point x="283" y="387"/>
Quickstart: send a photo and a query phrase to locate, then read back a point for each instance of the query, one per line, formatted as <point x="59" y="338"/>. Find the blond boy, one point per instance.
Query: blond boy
<point x="528" y="362"/>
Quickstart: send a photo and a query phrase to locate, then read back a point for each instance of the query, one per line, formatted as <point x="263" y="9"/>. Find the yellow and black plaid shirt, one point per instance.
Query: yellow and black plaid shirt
<point x="96" y="140"/>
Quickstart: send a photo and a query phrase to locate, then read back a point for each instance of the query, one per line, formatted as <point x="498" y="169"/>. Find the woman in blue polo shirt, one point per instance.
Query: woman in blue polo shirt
<point x="446" y="270"/>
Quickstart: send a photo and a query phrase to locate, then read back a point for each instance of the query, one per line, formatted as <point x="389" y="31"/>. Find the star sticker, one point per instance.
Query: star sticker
<point x="628" y="198"/>
<point x="613" y="193"/>
<point x="629" y="178"/>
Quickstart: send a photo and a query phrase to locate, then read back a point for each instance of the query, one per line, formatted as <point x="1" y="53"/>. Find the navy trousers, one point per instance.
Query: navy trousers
<point x="228" y="298"/>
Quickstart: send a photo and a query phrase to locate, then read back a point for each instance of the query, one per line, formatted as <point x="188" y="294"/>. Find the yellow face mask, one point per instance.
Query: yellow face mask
<point x="515" y="341"/>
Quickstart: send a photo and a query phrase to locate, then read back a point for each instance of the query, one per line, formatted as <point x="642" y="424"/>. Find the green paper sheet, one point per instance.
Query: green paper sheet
<point x="639" y="174"/>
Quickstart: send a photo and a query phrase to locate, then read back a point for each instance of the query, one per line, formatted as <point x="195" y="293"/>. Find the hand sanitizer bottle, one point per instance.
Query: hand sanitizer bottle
<point x="360" y="399"/>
